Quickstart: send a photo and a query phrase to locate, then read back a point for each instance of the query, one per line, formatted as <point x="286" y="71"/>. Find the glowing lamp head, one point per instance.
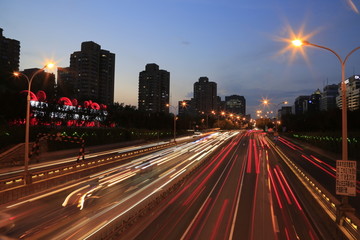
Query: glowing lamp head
<point x="297" y="42"/>
<point x="50" y="65"/>
<point x="16" y="74"/>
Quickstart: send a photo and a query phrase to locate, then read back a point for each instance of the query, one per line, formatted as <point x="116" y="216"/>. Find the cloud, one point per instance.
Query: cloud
<point x="185" y="42"/>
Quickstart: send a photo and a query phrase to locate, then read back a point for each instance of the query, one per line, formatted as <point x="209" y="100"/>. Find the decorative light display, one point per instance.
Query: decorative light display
<point x="64" y="112"/>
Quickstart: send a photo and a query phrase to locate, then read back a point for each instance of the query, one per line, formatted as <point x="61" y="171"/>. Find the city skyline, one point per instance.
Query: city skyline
<point x="238" y="46"/>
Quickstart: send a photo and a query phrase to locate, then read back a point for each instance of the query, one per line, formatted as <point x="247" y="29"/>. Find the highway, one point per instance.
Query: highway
<point x="322" y="167"/>
<point x="236" y="186"/>
<point x="81" y="208"/>
<point x="242" y="193"/>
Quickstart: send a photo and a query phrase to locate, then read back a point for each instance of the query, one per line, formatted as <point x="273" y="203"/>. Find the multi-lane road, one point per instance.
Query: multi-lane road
<point x="81" y="208"/>
<point x="233" y="185"/>
<point x="241" y="193"/>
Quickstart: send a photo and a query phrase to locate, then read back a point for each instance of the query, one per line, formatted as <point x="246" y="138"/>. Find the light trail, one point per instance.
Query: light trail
<point x="317" y="165"/>
<point x="153" y="192"/>
<point x="249" y="154"/>
<point x="282" y="187"/>
<point x="288" y="187"/>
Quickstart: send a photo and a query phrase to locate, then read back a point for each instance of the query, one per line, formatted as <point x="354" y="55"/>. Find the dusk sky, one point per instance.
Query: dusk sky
<point x="240" y="45"/>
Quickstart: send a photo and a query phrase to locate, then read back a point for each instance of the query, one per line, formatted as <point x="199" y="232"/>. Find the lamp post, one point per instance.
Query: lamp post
<point x="298" y="43"/>
<point x="276" y="120"/>
<point x="27" y="179"/>
<point x="267" y="102"/>
<point x="207" y="118"/>
<point x="183" y="104"/>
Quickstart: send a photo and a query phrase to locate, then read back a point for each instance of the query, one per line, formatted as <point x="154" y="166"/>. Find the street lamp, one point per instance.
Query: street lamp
<point x="267" y="102"/>
<point x="298" y="43"/>
<point x="183" y="104"/>
<point x="207" y="117"/>
<point x="276" y="122"/>
<point x="27" y="179"/>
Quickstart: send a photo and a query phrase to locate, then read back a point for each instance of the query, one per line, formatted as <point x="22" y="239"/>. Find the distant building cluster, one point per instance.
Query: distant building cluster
<point x="79" y="96"/>
<point x="154" y="85"/>
<point x="90" y="77"/>
<point x="328" y="99"/>
<point x="91" y="73"/>
<point x="205" y="101"/>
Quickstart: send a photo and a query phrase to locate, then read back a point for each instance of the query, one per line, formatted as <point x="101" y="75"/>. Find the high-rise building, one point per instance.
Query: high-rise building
<point x="236" y="104"/>
<point x="93" y="72"/>
<point x="154" y="87"/>
<point x="328" y="97"/>
<point x="300" y="103"/>
<point x="313" y="103"/>
<point x="205" y="95"/>
<point x="9" y="61"/>
<point x="285" y="110"/>
<point x="186" y="107"/>
<point x="65" y="83"/>
<point x="352" y="93"/>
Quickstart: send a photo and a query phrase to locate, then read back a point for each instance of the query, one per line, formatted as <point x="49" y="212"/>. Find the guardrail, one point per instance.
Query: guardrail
<point x="43" y="175"/>
<point x="350" y="223"/>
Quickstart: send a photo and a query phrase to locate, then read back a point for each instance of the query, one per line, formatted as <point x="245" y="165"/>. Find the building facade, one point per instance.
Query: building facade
<point x="90" y="76"/>
<point x="283" y="111"/>
<point x="300" y="103"/>
<point x="328" y="97"/>
<point x="9" y="61"/>
<point x="154" y="88"/>
<point x="65" y="82"/>
<point x="236" y="104"/>
<point x="352" y="93"/>
<point x="188" y="109"/>
<point x="313" y="103"/>
<point x="205" y="95"/>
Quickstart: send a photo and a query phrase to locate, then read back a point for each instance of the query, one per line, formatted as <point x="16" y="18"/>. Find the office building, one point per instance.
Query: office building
<point x="205" y="95"/>
<point x="9" y="62"/>
<point x="328" y="97"/>
<point x="352" y="93"/>
<point x="154" y="87"/>
<point x="235" y="104"/>
<point x="65" y="83"/>
<point x="283" y="111"/>
<point x="93" y="73"/>
<point x="313" y="103"/>
<point x="300" y="104"/>
<point x="186" y="107"/>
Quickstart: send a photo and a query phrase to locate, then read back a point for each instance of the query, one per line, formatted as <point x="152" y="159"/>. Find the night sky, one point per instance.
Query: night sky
<point x="241" y="45"/>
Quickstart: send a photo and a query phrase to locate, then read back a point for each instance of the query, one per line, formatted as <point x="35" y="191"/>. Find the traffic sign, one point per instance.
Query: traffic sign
<point x="346" y="178"/>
